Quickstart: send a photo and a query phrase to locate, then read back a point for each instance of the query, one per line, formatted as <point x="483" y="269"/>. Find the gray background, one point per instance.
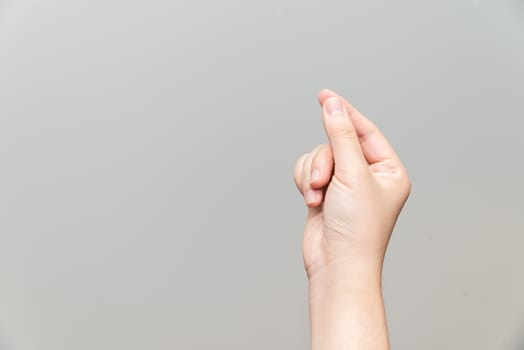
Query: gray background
<point x="147" y="151"/>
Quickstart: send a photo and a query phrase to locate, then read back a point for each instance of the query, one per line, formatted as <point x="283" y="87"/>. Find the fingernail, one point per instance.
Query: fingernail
<point x="315" y="175"/>
<point x="309" y="197"/>
<point x="334" y="106"/>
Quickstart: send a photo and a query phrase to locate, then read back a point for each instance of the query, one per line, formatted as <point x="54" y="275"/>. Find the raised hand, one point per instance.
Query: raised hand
<point x="354" y="187"/>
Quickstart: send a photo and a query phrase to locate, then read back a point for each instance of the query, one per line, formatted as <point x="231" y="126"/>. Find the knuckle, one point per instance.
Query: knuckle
<point x="296" y="178"/>
<point x="298" y="183"/>
<point x="346" y="131"/>
<point x="323" y="158"/>
<point x="297" y="173"/>
<point x="325" y="151"/>
<point x="300" y="160"/>
<point x="317" y="161"/>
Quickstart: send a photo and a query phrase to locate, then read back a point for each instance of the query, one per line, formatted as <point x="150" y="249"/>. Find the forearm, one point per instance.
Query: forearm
<point x="354" y="188"/>
<point x="347" y="311"/>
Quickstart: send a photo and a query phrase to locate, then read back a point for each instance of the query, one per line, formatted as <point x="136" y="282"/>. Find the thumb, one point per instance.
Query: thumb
<point x="347" y="153"/>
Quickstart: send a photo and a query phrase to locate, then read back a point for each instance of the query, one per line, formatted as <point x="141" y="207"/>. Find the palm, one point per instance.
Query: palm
<point x="324" y="226"/>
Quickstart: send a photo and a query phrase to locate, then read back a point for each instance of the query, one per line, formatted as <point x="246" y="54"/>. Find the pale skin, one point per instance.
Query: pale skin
<point x="354" y="188"/>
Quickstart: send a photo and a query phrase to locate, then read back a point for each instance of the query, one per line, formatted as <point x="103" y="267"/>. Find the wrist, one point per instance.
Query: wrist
<point x="345" y="277"/>
<point x="346" y="307"/>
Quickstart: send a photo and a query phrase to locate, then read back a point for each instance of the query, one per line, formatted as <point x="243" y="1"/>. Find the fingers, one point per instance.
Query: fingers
<point x="321" y="167"/>
<point x="347" y="153"/>
<point x="297" y="174"/>
<point x="312" y="197"/>
<point x="374" y="144"/>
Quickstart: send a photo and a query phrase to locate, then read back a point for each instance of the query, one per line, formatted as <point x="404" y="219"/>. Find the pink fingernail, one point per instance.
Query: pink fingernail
<point x="315" y="175"/>
<point x="334" y="106"/>
<point x="310" y="196"/>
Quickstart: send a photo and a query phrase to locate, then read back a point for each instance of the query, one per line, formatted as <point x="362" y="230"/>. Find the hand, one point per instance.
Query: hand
<point x="354" y="188"/>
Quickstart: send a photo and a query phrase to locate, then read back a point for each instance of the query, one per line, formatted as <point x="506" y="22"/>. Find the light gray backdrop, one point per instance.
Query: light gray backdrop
<point x="147" y="151"/>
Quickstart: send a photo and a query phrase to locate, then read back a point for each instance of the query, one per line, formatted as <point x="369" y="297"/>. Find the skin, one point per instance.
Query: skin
<point x="354" y="188"/>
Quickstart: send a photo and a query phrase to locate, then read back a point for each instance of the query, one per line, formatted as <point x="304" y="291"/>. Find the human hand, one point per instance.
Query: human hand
<point x="354" y="187"/>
